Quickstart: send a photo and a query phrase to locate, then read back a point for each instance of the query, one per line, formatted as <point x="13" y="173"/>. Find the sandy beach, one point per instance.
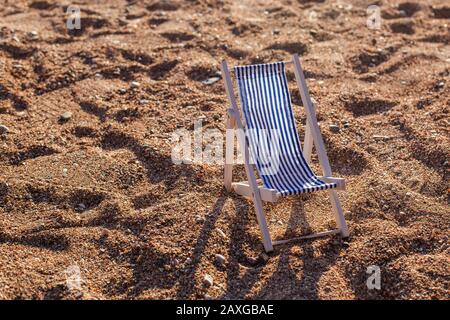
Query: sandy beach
<point x="93" y="207"/>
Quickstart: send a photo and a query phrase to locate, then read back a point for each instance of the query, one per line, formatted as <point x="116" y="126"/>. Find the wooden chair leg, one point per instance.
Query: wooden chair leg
<point x="262" y="222"/>
<point x="338" y="213"/>
<point x="229" y="153"/>
<point x="308" y="144"/>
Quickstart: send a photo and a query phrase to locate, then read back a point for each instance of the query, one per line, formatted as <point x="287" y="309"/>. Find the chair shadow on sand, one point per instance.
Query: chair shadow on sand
<point x="239" y="286"/>
<point x="238" y="238"/>
<point x="285" y="283"/>
<point x="187" y="282"/>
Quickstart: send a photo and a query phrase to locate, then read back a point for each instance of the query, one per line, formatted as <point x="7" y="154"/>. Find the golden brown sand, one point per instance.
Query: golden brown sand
<point x="99" y="191"/>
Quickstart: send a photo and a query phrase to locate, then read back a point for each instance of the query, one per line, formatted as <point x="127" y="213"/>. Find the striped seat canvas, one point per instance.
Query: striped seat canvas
<point x="270" y="129"/>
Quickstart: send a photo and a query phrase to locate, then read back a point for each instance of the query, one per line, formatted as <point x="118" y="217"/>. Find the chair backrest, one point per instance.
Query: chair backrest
<point x="270" y="127"/>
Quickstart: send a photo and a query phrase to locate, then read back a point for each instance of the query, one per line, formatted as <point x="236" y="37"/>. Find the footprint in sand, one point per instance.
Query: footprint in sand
<point x="16" y="158"/>
<point x="363" y="106"/>
<point x="403" y="27"/>
<point x="162" y="69"/>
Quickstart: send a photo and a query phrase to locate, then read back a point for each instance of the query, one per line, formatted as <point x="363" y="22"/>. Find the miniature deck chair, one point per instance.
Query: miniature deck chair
<point x="268" y="115"/>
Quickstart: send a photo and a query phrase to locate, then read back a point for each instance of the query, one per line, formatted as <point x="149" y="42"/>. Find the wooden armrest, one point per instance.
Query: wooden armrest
<point x="340" y="182"/>
<point x="244" y="189"/>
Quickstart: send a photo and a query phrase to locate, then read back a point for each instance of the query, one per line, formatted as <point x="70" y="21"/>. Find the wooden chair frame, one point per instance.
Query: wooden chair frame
<point x="251" y="188"/>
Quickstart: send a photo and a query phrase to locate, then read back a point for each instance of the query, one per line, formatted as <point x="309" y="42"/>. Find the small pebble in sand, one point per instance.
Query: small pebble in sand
<point x="208" y="280"/>
<point x="81" y="207"/>
<point x="33" y="35"/>
<point x="122" y="91"/>
<point x="199" y="219"/>
<point x="135" y="84"/>
<point x="3" y="129"/>
<point x="221" y="233"/>
<point x="334" y="128"/>
<point x="65" y="172"/>
<point x="144" y="101"/>
<point x="220" y="259"/>
<point x="379" y="138"/>
<point x="211" y="80"/>
<point x="66" y="116"/>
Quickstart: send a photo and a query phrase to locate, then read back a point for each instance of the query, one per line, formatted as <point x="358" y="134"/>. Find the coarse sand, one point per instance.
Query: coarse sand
<point x="92" y="206"/>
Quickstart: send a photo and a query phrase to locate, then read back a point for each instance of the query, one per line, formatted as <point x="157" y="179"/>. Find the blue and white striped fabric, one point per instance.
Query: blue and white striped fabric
<point x="271" y="132"/>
